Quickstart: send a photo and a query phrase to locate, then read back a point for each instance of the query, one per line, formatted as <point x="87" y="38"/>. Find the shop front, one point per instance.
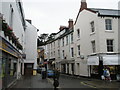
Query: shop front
<point x="99" y="62"/>
<point x="9" y="61"/>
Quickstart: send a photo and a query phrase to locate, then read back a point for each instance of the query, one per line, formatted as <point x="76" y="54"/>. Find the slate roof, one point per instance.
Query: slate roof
<point x="106" y="12"/>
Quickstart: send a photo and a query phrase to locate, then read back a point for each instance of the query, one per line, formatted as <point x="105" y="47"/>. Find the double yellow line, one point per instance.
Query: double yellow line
<point x="85" y="84"/>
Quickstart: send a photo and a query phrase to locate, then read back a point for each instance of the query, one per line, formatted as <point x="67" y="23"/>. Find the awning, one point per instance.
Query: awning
<point x="111" y="60"/>
<point x="93" y="60"/>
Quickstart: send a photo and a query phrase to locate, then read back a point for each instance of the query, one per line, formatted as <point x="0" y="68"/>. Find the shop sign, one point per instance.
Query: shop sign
<point x="93" y="60"/>
<point x="111" y="60"/>
<point x="7" y="47"/>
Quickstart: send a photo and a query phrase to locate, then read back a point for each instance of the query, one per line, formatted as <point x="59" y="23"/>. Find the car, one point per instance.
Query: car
<point x="50" y="73"/>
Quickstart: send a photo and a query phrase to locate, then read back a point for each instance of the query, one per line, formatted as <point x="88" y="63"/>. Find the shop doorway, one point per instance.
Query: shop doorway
<point x="28" y="68"/>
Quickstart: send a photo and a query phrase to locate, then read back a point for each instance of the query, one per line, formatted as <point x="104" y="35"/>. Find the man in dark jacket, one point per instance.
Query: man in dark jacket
<point x="56" y="77"/>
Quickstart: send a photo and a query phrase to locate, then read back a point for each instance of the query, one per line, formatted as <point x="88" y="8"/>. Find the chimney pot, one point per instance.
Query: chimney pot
<point x="70" y="23"/>
<point x="83" y="5"/>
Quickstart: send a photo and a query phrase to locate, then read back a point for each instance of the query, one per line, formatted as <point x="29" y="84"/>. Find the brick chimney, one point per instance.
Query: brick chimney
<point x="70" y="23"/>
<point x="83" y="5"/>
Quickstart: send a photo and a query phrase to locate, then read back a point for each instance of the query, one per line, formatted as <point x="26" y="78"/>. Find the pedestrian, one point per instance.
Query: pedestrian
<point x="56" y="78"/>
<point x="43" y="73"/>
<point x="107" y="74"/>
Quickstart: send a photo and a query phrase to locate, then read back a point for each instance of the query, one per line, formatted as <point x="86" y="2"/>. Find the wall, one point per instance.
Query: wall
<point x="31" y="44"/>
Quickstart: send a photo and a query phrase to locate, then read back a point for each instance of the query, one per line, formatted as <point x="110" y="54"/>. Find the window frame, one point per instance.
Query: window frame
<point x="110" y="46"/>
<point x="78" y="33"/>
<point x="72" y="52"/>
<point x="71" y="37"/>
<point x="108" y="24"/>
<point x="78" y="50"/>
<point x="93" y="46"/>
<point x="92" y="24"/>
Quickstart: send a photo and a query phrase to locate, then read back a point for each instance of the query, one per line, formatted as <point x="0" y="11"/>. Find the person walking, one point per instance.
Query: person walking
<point x="43" y="73"/>
<point x="107" y="74"/>
<point x="56" y="78"/>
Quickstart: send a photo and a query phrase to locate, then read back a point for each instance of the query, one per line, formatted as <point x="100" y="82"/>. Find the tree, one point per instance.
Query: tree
<point x="42" y="39"/>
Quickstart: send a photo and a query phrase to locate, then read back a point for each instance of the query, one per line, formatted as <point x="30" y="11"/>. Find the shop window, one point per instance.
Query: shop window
<point x="94" y="69"/>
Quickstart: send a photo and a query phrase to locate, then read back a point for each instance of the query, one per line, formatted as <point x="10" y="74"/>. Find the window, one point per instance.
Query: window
<point x="78" y="50"/>
<point x="72" y="38"/>
<point x="11" y="16"/>
<point x="72" y="52"/>
<point x="66" y="40"/>
<point x="78" y="33"/>
<point x="58" y="53"/>
<point x="108" y="24"/>
<point x="51" y="54"/>
<point x="63" y="53"/>
<point x="92" y="26"/>
<point x="109" y="45"/>
<point x="58" y="42"/>
<point x="93" y="46"/>
<point x="51" y="45"/>
<point x="54" y="53"/>
<point x="54" y="44"/>
<point x="62" y="41"/>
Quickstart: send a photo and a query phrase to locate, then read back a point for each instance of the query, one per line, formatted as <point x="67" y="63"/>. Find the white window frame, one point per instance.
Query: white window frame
<point x="93" y="46"/>
<point x="92" y="24"/>
<point x="67" y="40"/>
<point x="71" y="37"/>
<point x="63" y="41"/>
<point x="78" y="33"/>
<point x="108" y="24"/>
<point x="72" y="52"/>
<point x="112" y="46"/>
<point x="78" y="50"/>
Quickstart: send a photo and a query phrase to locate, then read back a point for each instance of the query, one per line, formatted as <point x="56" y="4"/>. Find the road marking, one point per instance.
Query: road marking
<point x="88" y="85"/>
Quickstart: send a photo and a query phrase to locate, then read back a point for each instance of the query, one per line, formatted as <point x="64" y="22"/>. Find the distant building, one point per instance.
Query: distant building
<point x="30" y="61"/>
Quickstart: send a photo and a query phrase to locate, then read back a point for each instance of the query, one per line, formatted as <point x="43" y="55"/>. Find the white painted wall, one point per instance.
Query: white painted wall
<point x="100" y="35"/>
<point x="31" y="44"/>
<point x="17" y="26"/>
<point x="17" y="22"/>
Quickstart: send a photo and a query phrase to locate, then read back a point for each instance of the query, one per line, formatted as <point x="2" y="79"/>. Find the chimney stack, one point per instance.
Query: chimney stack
<point x="83" y="5"/>
<point x="70" y="23"/>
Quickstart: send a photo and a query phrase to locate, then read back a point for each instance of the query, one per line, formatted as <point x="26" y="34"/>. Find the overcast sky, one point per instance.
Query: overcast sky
<point x="48" y="15"/>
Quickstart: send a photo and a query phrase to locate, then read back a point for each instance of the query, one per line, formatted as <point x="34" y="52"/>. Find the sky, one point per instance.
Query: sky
<point x="48" y="15"/>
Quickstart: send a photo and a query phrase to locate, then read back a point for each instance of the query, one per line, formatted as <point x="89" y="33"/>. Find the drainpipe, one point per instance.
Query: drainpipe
<point x="100" y="67"/>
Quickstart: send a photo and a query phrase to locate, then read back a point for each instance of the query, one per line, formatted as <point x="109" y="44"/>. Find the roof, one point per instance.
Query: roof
<point x="106" y="12"/>
<point x="102" y="12"/>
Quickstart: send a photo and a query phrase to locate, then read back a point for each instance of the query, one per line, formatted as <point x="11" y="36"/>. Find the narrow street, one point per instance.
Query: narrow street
<point x="65" y="81"/>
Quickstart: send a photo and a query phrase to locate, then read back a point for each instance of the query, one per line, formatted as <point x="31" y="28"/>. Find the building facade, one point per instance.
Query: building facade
<point x="14" y="40"/>
<point x="90" y="46"/>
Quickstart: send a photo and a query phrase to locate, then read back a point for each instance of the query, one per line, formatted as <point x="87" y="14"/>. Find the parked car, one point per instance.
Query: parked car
<point x="50" y="73"/>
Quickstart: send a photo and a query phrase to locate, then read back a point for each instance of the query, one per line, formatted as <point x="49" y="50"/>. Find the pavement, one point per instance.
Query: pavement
<point x="97" y="83"/>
